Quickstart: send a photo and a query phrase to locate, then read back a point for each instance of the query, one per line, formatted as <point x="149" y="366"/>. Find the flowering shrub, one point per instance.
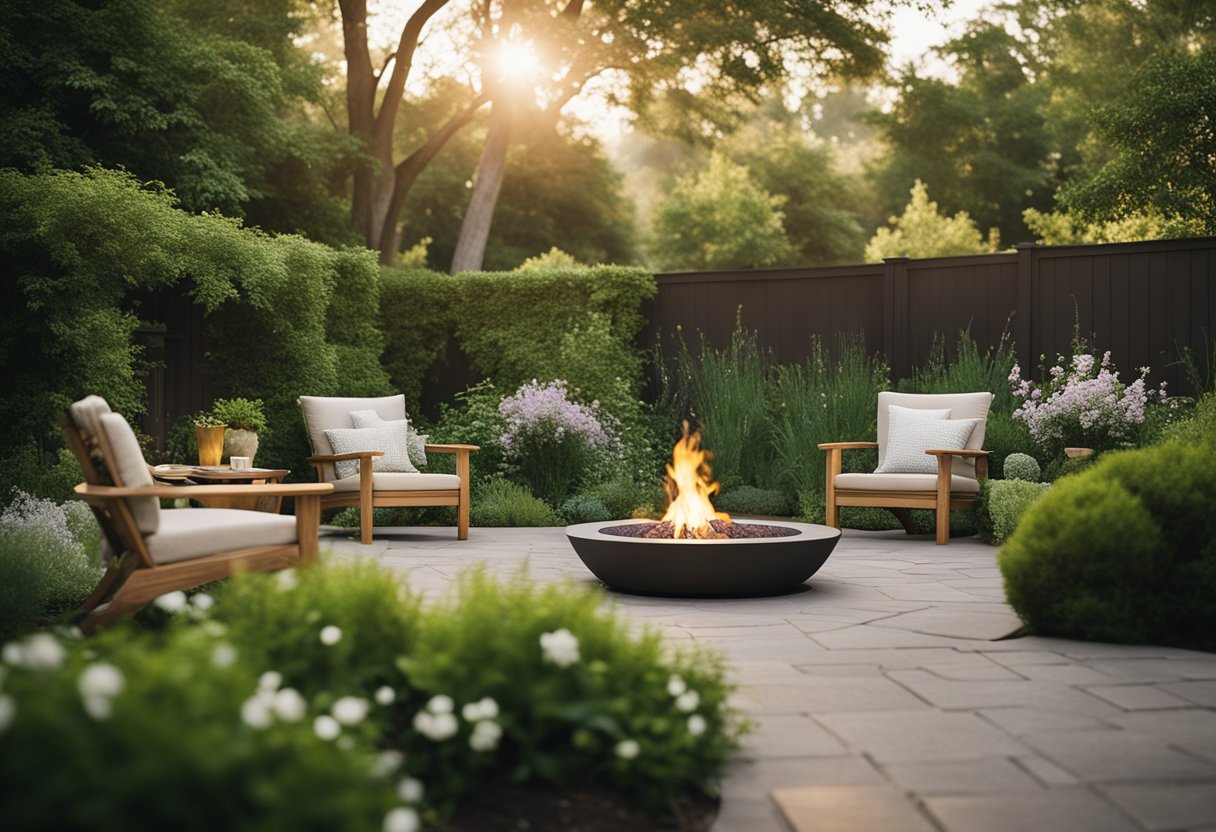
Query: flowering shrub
<point x="1082" y="403"/>
<point x="551" y="441"/>
<point x="48" y="559"/>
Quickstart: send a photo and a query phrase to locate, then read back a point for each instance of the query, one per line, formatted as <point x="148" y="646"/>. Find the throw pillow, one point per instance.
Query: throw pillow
<point x="415" y="442"/>
<point x="944" y="413"/>
<point x="387" y="438"/>
<point x="908" y="437"/>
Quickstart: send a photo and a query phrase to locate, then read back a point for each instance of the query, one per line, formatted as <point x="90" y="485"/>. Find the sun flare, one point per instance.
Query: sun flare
<point x="517" y="60"/>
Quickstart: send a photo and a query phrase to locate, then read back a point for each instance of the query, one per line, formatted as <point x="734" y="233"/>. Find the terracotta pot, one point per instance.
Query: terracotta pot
<point x="240" y="442"/>
<point x="210" y="444"/>
<point x="1078" y="453"/>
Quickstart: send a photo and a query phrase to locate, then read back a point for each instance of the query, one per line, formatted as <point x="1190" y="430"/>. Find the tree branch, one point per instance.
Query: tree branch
<point x="406" y="46"/>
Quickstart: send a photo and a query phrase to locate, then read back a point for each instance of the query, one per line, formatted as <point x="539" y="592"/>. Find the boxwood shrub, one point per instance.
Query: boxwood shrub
<point x="1123" y="551"/>
<point x="1002" y="503"/>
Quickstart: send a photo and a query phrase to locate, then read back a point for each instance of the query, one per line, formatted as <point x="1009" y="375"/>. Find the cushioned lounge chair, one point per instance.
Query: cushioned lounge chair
<point x="959" y="471"/>
<point x="369" y="489"/>
<point x="150" y="551"/>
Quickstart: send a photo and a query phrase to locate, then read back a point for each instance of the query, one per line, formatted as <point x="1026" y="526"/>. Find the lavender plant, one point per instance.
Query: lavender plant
<point x="1083" y="403"/>
<point x="551" y="442"/>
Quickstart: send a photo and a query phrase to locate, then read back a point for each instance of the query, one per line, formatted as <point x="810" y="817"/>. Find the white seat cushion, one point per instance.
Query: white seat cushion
<point x="904" y="482"/>
<point x="403" y="482"/>
<point x="187" y="533"/>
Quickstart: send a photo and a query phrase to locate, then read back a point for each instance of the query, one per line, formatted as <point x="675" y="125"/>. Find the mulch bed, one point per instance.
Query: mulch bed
<point x="721" y="530"/>
<point x="589" y="809"/>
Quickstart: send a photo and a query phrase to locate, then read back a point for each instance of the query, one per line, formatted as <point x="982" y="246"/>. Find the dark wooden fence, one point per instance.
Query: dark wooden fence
<point x="1142" y="301"/>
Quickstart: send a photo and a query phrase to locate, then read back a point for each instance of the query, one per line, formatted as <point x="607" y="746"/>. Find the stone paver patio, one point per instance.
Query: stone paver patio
<point x="884" y="698"/>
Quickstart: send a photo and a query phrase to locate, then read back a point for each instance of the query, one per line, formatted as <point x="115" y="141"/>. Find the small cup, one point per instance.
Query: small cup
<point x="239" y="463"/>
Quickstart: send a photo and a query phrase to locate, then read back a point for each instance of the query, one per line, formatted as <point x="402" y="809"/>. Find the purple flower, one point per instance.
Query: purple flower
<point x="544" y="412"/>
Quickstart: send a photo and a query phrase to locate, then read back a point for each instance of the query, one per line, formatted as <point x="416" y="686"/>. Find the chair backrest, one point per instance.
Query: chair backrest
<point x="109" y="454"/>
<point x="961" y="406"/>
<point x="322" y="413"/>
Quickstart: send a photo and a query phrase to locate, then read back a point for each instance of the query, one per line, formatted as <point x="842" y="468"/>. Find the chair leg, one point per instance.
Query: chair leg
<point x="943" y="502"/>
<point x="831" y="510"/>
<point x="462" y="509"/>
<point x="365" y="501"/>
<point x="904" y="516"/>
<point x="308" y="521"/>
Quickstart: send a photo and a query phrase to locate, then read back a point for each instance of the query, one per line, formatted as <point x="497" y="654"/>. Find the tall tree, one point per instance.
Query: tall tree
<point x="652" y="48"/>
<point x="923" y="231"/>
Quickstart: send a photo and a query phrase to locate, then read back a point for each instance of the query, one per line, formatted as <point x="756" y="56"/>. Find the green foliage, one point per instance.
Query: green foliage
<point x="173" y="715"/>
<point x="80" y="247"/>
<point x="812" y="508"/>
<point x="719" y="218"/>
<point x="1200" y="368"/>
<point x="48" y="560"/>
<point x="825" y="399"/>
<point x="1164" y="146"/>
<point x="922" y="232"/>
<point x="1062" y="466"/>
<point x="554" y="258"/>
<point x="500" y="502"/>
<point x="1003" y="437"/>
<point x="980" y="143"/>
<point x="1020" y="466"/>
<point x="204" y="103"/>
<point x="1125" y="551"/>
<point x="416" y="316"/>
<point x="244" y="414"/>
<point x="1002" y="503"/>
<point x="1062" y="228"/>
<point x="585" y="509"/>
<point x="966" y="370"/>
<point x="747" y="499"/>
<point x="621" y="495"/>
<point x="473" y="419"/>
<point x="1200" y="427"/>
<point x="48" y="474"/>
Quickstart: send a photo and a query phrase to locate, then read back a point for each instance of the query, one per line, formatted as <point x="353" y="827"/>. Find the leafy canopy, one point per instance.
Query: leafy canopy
<point x="921" y="231"/>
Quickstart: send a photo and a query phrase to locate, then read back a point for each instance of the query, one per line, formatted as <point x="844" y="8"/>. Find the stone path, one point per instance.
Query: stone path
<point x="882" y="702"/>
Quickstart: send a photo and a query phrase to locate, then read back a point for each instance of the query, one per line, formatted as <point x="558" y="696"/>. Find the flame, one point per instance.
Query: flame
<point x="689" y="485"/>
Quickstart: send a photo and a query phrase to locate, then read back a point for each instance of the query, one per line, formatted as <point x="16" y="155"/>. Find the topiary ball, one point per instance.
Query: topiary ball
<point x="1022" y="467"/>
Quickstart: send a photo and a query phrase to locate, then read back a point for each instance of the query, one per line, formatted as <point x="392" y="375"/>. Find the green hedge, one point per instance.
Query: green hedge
<point x="578" y="324"/>
<point x="283" y="316"/>
<point x="1123" y="551"/>
<point x="1002" y="504"/>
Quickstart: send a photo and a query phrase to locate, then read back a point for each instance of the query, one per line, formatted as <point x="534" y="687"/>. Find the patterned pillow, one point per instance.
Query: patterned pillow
<point x="415" y="442"/>
<point x="386" y="438"/>
<point x="909" y="436"/>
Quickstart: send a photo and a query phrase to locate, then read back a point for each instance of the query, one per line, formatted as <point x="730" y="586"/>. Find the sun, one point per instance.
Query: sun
<point x="517" y="60"/>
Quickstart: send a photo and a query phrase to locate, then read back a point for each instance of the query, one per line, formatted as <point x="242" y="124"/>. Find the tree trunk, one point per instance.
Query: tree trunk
<point x="475" y="228"/>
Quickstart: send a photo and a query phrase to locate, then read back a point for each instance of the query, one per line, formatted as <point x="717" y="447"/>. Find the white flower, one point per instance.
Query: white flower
<point x="270" y="680"/>
<point x="224" y="655"/>
<point x="485" y="736"/>
<point x="38" y="652"/>
<point x="256" y="713"/>
<point x="560" y="647"/>
<point x="402" y="819"/>
<point x="440" y="704"/>
<point x="696" y="725"/>
<point x="688" y="701"/>
<point x="289" y="705"/>
<point x="286" y="580"/>
<point x="350" y="710"/>
<point x="627" y="749"/>
<point x="326" y="727"/>
<point x="8" y="711"/>
<point x="387" y="762"/>
<point x="172" y="601"/>
<point x="676" y="686"/>
<point x="100" y="680"/>
<point x="202" y="601"/>
<point x="484" y="708"/>
<point x="385" y="695"/>
<point x="331" y="635"/>
<point x="410" y="790"/>
<point x="435" y="727"/>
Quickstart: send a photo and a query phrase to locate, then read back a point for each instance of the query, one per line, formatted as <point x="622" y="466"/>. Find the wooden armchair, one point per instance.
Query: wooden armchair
<point x="370" y="488"/>
<point x="959" y="471"/>
<point x="149" y="551"/>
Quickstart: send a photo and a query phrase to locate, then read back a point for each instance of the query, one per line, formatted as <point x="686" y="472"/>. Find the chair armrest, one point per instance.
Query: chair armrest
<point x="956" y="452"/>
<point x="945" y="461"/>
<point x="292" y="489"/>
<point x="846" y="446"/>
<point x="323" y="458"/>
<point x="450" y="449"/>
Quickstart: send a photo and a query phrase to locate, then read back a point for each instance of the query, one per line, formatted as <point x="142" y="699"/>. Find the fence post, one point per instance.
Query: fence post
<point x="895" y="316"/>
<point x="1023" y="320"/>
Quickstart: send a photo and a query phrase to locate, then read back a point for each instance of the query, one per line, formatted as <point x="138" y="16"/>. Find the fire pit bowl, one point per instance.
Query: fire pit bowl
<point x="704" y="568"/>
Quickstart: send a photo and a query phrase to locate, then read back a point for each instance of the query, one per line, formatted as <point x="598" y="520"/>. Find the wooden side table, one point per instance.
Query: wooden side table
<point x="224" y="475"/>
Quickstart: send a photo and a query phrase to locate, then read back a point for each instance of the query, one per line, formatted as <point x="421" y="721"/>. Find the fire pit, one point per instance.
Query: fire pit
<point x="696" y="551"/>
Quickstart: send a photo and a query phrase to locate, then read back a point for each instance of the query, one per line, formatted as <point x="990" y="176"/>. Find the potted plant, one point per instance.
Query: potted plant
<point x="209" y="431"/>
<point x="244" y="418"/>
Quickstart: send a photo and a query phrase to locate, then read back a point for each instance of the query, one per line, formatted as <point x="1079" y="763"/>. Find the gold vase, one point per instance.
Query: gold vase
<point x="210" y="444"/>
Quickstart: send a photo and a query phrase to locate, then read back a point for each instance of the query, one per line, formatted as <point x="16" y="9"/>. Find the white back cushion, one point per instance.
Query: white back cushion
<point x="322" y="412"/>
<point x="129" y="469"/>
<point x="961" y="406"/>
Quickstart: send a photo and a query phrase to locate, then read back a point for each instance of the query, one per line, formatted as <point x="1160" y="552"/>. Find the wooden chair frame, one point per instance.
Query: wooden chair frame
<point x="941" y="499"/>
<point x="132" y="578"/>
<point x="367" y="497"/>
